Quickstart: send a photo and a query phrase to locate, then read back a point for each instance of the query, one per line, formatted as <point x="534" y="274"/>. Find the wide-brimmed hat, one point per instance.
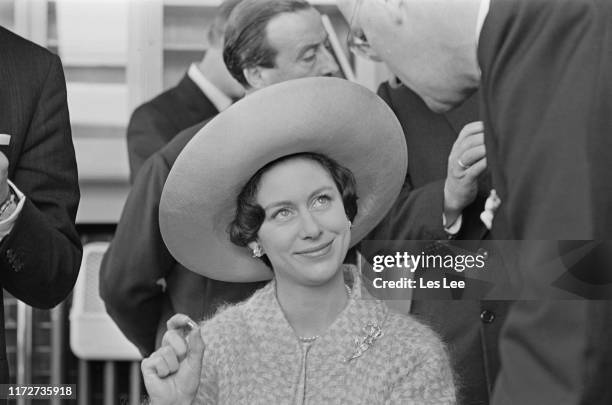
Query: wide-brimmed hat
<point x="330" y="116"/>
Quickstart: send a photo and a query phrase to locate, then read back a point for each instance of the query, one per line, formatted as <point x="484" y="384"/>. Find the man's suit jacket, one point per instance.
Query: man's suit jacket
<point x="469" y="328"/>
<point x="40" y="258"/>
<point x="137" y="261"/>
<point x="156" y="122"/>
<point x="547" y="102"/>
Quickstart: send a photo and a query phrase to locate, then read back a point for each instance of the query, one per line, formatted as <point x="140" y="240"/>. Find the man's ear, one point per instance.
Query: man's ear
<point x="254" y="77"/>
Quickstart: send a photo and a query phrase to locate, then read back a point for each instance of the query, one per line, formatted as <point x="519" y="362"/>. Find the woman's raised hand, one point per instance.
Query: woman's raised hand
<point x="172" y="373"/>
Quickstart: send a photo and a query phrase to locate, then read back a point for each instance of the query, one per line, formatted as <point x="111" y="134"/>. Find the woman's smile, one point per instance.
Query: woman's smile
<point x="317" y="251"/>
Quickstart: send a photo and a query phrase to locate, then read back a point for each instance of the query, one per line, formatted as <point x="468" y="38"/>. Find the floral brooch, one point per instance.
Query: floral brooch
<point x="372" y="332"/>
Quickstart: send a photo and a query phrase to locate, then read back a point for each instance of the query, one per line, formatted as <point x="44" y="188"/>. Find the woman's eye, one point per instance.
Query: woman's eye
<point x="322" y="201"/>
<point x="282" y="214"/>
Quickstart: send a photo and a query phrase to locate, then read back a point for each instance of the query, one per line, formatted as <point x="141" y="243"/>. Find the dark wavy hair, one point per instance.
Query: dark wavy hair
<point x="250" y="215"/>
<point x="246" y="40"/>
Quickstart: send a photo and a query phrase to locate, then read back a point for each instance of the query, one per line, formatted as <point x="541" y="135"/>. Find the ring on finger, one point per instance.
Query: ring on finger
<point x="462" y="165"/>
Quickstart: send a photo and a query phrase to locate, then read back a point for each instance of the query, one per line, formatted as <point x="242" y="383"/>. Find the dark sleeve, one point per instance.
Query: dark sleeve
<point x="548" y="128"/>
<point x="555" y="351"/>
<point x="137" y="259"/>
<point x="417" y="212"/>
<point x="42" y="254"/>
<point x="416" y="215"/>
<point x="548" y="142"/>
<point x="145" y="135"/>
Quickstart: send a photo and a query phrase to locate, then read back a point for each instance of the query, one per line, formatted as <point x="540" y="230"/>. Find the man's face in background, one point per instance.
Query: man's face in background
<point x="301" y="45"/>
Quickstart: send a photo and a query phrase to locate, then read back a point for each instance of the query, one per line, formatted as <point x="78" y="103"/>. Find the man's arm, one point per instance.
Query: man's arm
<point x="417" y="211"/>
<point x="42" y="253"/>
<point x="134" y="268"/>
<point x="434" y="150"/>
<point x="416" y="215"/>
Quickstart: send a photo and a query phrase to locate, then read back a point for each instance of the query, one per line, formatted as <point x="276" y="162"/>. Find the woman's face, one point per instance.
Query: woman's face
<point x="305" y="232"/>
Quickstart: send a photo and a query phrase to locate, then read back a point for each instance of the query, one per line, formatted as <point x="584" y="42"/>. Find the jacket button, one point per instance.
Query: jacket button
<point x="483" y="252"/>
<point x="487" y="316"/>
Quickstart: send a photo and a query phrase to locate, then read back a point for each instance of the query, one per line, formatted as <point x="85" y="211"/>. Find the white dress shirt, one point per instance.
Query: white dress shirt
<point x="219" y="99"/>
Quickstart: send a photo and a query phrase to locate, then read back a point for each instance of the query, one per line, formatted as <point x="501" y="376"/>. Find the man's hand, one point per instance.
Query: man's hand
<point x="172" y="373"/>
<point x="4" y="187"/>
<point x="466" y="162"/>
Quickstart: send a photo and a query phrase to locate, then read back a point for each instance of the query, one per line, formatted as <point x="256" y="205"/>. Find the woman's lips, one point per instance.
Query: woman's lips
<point x="316" y="251"/>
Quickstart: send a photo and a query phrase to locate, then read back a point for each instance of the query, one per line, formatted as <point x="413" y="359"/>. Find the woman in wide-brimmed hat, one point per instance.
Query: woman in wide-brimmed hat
<point x="268" y="189"/>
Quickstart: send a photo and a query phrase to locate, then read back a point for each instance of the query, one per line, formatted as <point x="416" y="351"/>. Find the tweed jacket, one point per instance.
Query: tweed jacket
<point x="254" y="357"/>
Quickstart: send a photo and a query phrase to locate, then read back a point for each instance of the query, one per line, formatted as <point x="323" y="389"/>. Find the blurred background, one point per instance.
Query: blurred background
<point x="117" y="54"/>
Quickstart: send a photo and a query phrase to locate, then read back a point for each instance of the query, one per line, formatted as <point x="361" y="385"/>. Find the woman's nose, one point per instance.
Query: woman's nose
<point x="310" y="228"/>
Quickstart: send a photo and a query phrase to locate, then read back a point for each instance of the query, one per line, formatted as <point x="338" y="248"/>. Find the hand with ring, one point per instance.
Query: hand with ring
<point x="462" y="165"/>
<point x="172" y="373"/>
<point x="466" y="162"/>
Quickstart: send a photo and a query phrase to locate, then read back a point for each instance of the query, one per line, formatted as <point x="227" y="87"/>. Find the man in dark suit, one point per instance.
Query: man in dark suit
<point x="40" y="250"/>
<point x="543" y="68"/>
<point x="470" y="328"/>
<point x="206" y="89"/>
<point x="266" y="42"/>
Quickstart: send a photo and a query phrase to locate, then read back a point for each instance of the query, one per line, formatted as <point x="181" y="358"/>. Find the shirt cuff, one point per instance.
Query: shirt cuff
<point x="454" y="228"/>
<point x="6" y="225"/>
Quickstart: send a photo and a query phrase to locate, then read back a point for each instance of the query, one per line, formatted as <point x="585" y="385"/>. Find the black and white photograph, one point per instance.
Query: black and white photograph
<point x="312" y="202"/>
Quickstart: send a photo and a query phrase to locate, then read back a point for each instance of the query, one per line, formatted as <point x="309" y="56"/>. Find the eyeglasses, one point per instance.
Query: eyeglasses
<point x="357" y="41"/>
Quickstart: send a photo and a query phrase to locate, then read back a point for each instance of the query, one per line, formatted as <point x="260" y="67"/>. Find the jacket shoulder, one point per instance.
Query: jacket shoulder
<point x="170" y="100"/>
<point x="162" y="102"/>
<point x="157" y="108"/>
<point x="230" y="323"/>
<point x="226" y="324"/>
<point x="20" y="48"/>
<point x="409" y="335"/>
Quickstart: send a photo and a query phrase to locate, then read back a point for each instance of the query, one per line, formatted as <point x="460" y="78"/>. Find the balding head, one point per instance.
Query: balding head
<point x="429" y="44"/>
